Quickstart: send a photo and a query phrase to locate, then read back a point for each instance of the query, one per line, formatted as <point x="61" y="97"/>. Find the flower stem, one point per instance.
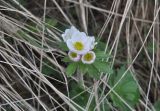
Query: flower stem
<point x="80" y="79"/>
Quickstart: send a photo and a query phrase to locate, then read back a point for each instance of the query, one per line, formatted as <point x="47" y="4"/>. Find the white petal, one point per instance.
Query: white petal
<point x="73" y="28"/>
<point x="91" y="61"/>
<point x="74" y="59"/>
<point x="92" y="42"/>
<point x="81" y="52"/>
<point x="79" y="36"/>
<point x="68" y="33"/>
<point x="70" y="45"/>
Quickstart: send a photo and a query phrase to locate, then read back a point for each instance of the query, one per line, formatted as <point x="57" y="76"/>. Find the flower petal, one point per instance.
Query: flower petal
<point x="79" y="36"/>
<point x="68" y="33"/>
<point x="88" y="58"/>
<point x="74" y="56"/>
<point x="92" y="42"/>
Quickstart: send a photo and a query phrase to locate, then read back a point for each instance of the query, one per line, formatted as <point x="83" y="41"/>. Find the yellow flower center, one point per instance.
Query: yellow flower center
<point x="73" y="55"/>
<point x="78" y="46"/>
<point x="88" y="57"/>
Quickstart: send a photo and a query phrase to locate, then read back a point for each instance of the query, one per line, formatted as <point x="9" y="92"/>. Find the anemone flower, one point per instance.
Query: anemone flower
<point x="68" y="33"/>
<point x="88" y="58"/>
<point x="74" y="56"/>
<point x="79" y="43"/>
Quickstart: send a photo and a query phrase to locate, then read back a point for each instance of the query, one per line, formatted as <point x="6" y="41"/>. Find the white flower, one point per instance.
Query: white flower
<point x="79" y="43"/>
<point x="88" y="58"/>
<point x="68" y="33"/>
<point x="74" y="56"/>
<point x="93" y="43"/>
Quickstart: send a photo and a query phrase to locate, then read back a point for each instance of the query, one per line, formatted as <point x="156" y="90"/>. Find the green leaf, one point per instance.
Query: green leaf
<point x="71" y="69"/>
<point x="102" y="66"/>
<point x="93" y="72"/>
<point x="127" y="89"/>
<point x="100" y="46"/>
<point x="157" y="105"/>
<point x="66" y="59"/>
<point x="101" y="55"/>
<point x="63" y="46"/>
<point x="51" y="22"/>
<point x="81" y="97"/>
<point x="82" y="67"/>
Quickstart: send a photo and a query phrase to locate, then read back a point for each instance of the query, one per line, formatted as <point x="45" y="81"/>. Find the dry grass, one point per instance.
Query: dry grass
<point x="129" y="29"/>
